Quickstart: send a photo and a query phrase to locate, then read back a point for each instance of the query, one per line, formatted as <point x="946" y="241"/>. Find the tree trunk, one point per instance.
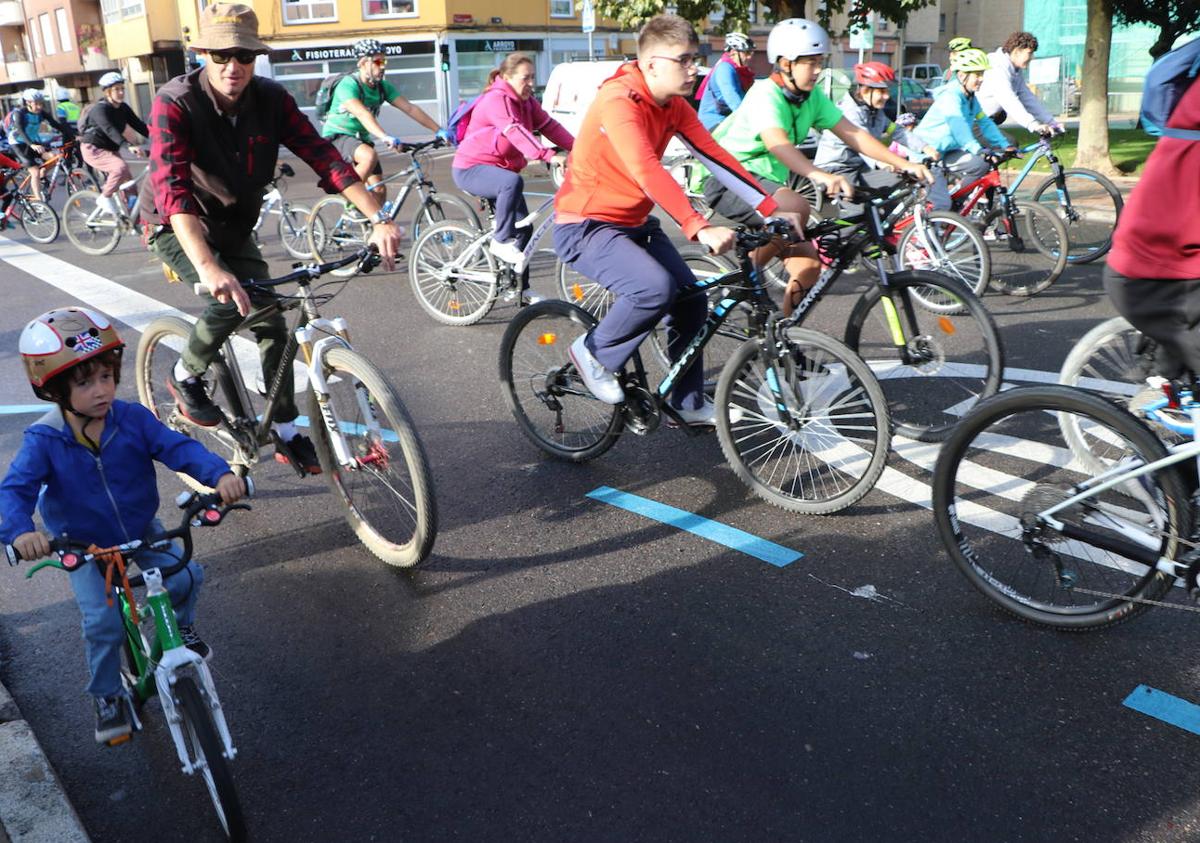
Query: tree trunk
<point x="1093" y="109"/>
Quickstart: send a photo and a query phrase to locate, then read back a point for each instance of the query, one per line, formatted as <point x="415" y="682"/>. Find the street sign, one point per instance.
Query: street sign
<point x="588" y="15"/>
<point x="864" y="39"/>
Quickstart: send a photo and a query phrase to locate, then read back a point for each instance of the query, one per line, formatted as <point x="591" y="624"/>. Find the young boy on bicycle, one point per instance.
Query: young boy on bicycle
<point x="603" y="228"/>
<point x="88" y="465"/>
<point x="215" y="134"/>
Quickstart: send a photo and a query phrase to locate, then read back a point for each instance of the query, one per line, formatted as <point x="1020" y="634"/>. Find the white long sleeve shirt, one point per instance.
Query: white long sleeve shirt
<point x="1005" y="88"/>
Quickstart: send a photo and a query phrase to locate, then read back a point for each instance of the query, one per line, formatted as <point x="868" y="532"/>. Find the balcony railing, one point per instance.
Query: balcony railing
<point x="97" y="61"/>
<point x="20" y="71"/>
<point x="11" y="14"/>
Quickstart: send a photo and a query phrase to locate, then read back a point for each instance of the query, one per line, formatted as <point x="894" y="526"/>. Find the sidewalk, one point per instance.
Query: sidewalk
<point x="33" y="805"/>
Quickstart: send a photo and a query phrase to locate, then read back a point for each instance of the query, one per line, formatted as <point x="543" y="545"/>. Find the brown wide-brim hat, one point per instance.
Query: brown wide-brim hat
<point x="229" y="26"/>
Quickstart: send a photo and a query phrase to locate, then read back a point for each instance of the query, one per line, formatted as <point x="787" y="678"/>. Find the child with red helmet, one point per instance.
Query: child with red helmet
<point x="88" y="466"/>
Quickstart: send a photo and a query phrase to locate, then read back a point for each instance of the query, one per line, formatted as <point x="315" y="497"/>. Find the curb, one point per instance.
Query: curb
<point x="33" y="805"/>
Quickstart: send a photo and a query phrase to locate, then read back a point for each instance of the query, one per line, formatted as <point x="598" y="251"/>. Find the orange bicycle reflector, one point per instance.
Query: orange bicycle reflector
<point x="577" y="292"/>
<point x="946" y="325"/>
<point x="120" y="739"/>
<point x="454" y="305"/>
<point x="547" y="338"/>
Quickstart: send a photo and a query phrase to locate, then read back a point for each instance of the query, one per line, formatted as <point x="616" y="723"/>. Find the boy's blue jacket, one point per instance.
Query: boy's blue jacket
<point x="104" y="498"/>
<point x="947" y="125"/>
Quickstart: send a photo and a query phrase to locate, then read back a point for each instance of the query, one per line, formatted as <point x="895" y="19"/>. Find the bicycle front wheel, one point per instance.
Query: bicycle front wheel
<point x="90" y="231"/>
<point x="294" y="229"/>
<point x="336" y="230"/>
<point x="206" y="750"/>
<point x="950" y="246"/>
<point x="386" y="486"/>
<point x="1007" y="463"/>
<point x="1030" y="258"/>
<point x="39" y="220"/>
<point x="552" y="406"/>
<point x="933" y="367"/>
<point x="806" y="430"/>
<point x="453" y="274"/>
<point x="440" y="207"/>
<point x="1088" y="205"/>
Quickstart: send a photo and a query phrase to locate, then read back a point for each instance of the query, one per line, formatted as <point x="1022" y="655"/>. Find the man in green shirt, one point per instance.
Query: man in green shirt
<point x="353" y="118"/>
<point x="776" y="115"/>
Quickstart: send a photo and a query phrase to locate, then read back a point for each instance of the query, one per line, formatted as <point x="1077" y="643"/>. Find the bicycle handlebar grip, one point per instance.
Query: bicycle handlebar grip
<point x="11" y="554"/>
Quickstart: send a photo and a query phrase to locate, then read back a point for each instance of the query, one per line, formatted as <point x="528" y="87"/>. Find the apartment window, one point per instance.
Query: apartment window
<point x="47" y="34"/>
<point x="389" y="8"/>
<point x="64" y="29"/>
<point x="562" y="9"/>
<point x="113" y="11"/>
<point x="941" y="23"/>
<point x="309" y="11"/>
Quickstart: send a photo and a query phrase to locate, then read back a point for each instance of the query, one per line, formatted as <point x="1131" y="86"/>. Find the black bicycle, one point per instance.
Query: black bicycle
<point x="367" y="444"/>
<point x="801" y="418"/>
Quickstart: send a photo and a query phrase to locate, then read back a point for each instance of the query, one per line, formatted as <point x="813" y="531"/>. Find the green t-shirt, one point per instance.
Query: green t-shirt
<point x="341" y="122"/>
<point x="765" y="106"/>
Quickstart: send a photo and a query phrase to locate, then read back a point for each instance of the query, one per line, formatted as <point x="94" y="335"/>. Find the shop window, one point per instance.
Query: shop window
<point x="309" y="11"/>
<point x="389" y="8"/>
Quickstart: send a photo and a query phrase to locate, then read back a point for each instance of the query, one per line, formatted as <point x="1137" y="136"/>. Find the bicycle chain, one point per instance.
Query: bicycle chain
<point x="1127" y="599"/>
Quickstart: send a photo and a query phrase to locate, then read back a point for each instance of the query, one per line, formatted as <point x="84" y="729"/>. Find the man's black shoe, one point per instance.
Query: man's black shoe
<point x="194" y="642"/>
<point x="298" y="452"/>
<point x="193" y="402"/>
<point x="112" y="720"/>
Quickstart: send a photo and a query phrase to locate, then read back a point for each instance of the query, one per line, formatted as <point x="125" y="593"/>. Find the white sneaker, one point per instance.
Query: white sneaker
<point x="599" y="381"/>
<point x="530" y="297"/>
<point x="107" y="204"/>
<point x="508" y="252"/>
<point x="706" y="414"/>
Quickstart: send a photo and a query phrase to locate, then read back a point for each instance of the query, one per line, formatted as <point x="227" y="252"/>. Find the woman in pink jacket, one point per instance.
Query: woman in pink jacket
<point x="499" y="143"/>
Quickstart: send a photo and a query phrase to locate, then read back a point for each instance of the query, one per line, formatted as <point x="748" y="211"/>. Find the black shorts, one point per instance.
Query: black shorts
<point x="1167" y="310"/>
<point x="25" y="155"/>
<point x="731" y="206"/>
<point x="347" y="144"/>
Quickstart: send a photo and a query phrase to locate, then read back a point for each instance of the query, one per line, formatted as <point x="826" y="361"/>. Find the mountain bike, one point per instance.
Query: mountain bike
<point x="457" y="279"/>
<point x="293" y="218"/>
<point x="38" y="219"/>
<point x="65" y="167"/>
<point x="1059" y="541"/>
<point x="95" y="231"/>
<point x="1012" y="227"/>
<point x="368" y="447"/>
<point x="346" y="230"/>
<point x="154" y="658"/>
<point x="800" y="418"/>
<point x="1087" y="203"/>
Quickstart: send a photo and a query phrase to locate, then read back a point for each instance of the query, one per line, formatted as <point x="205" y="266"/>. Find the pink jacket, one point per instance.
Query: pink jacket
<point x="500" y="132"/>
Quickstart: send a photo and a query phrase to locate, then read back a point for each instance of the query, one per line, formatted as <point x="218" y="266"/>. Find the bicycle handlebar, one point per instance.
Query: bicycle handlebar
<point x="772" y="227"/>
<point x="368" y="258"/>
<point x="417" y="146"/>
<point x="199" y="511"/>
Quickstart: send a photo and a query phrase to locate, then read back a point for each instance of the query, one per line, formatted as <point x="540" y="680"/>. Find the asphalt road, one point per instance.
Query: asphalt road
<point x="561" y="669"/>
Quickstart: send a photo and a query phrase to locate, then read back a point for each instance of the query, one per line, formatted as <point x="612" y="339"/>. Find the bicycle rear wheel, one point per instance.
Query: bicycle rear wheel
<point x="1007" y="462"/>
<point x="294" y="229"/>
<point x="947" y="362"/>
<point x="453" y="275"/>
<point x="79" y="179"/>
<point x="39" y="220"/>
<point x="337" y="230"/>
<point x="387" y="490"/>
<point x="1094" y="204"/>
<point x="952" y="247"/>
<point x="831" y="447"/>
<point x="552" y="407"/>
<point x="90" y="231"/>
<point x="206" y="750"/>
<point x="581" y="291"/>
<point x="440" y="207"/>
<point x="1029" y="259"/>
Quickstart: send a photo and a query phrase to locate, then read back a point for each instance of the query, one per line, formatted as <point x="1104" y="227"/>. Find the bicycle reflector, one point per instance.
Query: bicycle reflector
<point x="71" y="561"/>
<point x="946" y="325"/>
<point x="548" y="338"/>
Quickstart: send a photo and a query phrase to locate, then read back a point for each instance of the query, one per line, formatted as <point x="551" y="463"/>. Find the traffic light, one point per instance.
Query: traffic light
<point x="445" y="58"/>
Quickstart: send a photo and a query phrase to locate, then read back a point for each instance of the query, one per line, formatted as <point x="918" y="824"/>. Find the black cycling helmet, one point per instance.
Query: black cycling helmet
<point x="366" y="47"/>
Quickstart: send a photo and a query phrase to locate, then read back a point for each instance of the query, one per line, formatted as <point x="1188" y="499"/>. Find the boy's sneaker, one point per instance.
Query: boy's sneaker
<point x="193" y="402"/>
<point x="112" y="719"/>
<point x="299" y="451"/>
<point x="600" y="382"/>
<point x="706" y="415"/>
<point x="508" y="252"/>
<point x="194" y="642"/>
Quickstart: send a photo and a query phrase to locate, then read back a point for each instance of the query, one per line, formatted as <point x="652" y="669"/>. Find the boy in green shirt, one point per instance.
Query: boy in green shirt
<point x="776" y="115"/>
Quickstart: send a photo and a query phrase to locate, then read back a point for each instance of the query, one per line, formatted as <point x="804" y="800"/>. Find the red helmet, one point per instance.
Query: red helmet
<point x="874" y="74"/>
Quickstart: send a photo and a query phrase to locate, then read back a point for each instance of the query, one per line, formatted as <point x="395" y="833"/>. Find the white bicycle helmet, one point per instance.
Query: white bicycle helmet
<point x="738" y="41"/>
<point x="109" y="79"/>
<point x="796" y="37"/>
<point x="33" y="95"/>
<point x="367" y="47"/>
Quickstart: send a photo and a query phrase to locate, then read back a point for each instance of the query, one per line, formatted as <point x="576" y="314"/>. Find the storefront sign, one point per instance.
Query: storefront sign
<point x="464" y="18"/>
<point x="499" y="45"/>
<point x="346" y="51"/>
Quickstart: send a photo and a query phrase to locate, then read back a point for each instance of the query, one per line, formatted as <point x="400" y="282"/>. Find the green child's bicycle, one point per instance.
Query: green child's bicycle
<point x="160" y="664"/>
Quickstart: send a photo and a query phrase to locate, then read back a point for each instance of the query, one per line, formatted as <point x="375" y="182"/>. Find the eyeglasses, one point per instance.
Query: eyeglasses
<point x="379" y="62"/>
<point x="686" y="60"/>
<point x="242" y="56"/>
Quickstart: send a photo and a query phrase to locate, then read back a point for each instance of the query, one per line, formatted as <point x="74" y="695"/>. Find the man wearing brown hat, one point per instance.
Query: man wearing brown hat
<point x="215" y="134"/>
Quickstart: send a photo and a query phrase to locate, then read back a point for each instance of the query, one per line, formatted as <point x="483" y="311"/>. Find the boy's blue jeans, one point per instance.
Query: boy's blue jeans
<point x="103" y="630"/>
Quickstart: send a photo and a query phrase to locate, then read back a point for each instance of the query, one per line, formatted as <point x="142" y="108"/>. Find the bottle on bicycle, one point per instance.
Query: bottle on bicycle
<point x="104" y="128"/>
<point x="88" y="466"/>
<point x="202" y="202"/>
<point x="498" y="143"/>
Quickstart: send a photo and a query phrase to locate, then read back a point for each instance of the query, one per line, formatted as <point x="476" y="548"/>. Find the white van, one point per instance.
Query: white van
<point x="929" y="75"/>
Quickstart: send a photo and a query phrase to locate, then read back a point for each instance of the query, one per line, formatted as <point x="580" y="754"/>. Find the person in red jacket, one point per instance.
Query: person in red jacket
<point x="603" y="228"/>
<point x="1152" y="274"/>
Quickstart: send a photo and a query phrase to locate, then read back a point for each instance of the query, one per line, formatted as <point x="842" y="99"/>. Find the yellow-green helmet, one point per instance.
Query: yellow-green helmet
<point x="971" y="60"/>
<point x="959" y="43"/>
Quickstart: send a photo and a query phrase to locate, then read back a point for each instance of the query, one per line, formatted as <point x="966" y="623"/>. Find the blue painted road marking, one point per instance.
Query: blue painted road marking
<point x="1163" y="706"/>
<point x="714" y="531"/>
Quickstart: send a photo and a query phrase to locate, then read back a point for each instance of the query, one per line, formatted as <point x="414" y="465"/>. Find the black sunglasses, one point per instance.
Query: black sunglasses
<point x="242" y="56"/>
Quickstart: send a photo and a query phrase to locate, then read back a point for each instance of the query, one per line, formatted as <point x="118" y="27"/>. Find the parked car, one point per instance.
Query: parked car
<point x="914" y="98"/>
<point x="927" y="75"/>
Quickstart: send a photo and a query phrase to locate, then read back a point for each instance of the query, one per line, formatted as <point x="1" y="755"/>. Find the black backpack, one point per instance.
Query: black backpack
<point x="325" y="92"/>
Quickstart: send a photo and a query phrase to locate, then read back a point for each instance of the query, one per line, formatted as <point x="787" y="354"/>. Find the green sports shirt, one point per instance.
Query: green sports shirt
<point x="339" y="121"/>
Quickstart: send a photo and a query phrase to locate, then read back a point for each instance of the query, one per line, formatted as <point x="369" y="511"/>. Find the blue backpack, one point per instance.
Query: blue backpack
<point x="460" y="120"/>
<point x="1166" y="82"/>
